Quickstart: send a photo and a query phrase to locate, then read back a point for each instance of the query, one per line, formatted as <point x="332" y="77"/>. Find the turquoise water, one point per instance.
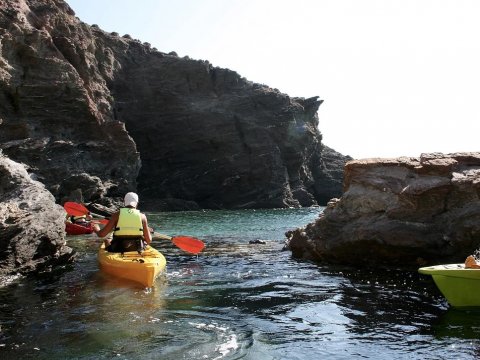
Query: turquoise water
<point x="234" y="301"/>
<point x="239" y="226"/>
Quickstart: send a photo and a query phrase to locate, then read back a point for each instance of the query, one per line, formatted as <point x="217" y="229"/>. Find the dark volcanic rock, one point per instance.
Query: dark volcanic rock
<point x="405" y="211"/>
<point x="209" y="136"/>
<point x="55" y="105"/>
<point x="32" y="226"/>
<point x="329" y="175"/>
<point x="91" y="110"/>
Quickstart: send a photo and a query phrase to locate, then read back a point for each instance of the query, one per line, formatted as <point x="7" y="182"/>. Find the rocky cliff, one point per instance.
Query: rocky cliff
<point x="402" y="212"/>
<point x="32" y="227"/>
<point x="96" y="111"/>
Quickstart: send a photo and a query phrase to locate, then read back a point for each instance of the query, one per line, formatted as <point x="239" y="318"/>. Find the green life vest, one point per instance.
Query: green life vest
<point x="129" y="223"/>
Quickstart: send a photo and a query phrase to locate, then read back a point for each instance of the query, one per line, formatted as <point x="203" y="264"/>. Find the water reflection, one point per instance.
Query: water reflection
<point x="235" y="300"/>
<point x="456" y="323"/>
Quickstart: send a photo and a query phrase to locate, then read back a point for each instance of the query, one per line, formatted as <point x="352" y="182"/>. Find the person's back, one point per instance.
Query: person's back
<point x="128" y="233"/>
<point x="129" y="226"/>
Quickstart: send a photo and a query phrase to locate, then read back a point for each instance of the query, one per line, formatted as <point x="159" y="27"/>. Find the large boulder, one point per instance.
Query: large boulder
<point x="402" y="212"/>
<point x="32" y="226"/>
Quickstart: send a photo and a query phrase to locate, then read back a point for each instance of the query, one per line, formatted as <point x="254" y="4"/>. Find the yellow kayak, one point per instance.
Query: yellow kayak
<point x="143" y="269"/>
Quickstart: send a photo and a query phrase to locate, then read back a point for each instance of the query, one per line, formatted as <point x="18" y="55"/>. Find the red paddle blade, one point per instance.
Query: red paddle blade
<point x="188" y="244"/>
<point x="75" y="209"/>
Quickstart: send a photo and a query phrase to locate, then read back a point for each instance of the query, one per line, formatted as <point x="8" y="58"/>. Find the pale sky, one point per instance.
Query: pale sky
<point x="398" y="77"/>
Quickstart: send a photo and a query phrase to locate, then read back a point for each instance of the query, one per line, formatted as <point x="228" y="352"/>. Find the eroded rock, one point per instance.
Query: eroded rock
<point x="402" y="212"/>
<point x="32" y="226"/>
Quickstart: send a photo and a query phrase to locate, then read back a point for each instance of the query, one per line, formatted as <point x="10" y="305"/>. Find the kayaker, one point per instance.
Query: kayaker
<point x="129" y="226"/>
<point x="83" y="220"/>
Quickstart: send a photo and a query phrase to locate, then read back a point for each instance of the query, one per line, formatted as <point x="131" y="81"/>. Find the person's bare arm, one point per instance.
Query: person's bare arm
<point x="109" y="227"/>
<point x="471" y="263"/>
<point x="146" y="231"/>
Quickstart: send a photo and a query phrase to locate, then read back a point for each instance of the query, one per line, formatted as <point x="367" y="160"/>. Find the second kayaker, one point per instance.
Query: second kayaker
<point x="129" y="226"/>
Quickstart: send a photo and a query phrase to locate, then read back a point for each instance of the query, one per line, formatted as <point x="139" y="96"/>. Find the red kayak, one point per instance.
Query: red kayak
<point x="77" y="229"/>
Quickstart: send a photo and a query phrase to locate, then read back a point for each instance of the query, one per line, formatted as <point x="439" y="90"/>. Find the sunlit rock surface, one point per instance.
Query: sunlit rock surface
<point x="404" y="211"/>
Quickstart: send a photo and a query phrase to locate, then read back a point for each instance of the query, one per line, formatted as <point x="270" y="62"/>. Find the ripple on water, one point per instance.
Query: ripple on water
<point x="235" y="300"/>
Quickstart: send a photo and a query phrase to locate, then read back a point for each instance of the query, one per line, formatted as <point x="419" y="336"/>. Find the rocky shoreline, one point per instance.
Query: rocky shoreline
<point x="401" y="212"/>
<point x="89" y="115"/>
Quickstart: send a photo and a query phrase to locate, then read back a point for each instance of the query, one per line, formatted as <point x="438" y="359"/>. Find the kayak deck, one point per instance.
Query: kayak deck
<point x="460" y="286"/>
<point x="143" y="269"/>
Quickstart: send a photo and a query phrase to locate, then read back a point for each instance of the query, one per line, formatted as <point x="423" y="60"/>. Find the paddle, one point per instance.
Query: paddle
<point x="100" y="221"/>
<point x="186" y="243"/>
<point x="76" y="209"/>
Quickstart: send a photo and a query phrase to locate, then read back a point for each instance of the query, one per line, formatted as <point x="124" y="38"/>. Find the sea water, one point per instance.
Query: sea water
<point x="235" y="300"/>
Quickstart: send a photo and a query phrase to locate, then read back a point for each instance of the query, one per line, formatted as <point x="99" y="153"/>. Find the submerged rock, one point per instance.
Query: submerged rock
<point x="257" y="241"/>
<point x="402" y="212"/>
<point x="32" y="226"/>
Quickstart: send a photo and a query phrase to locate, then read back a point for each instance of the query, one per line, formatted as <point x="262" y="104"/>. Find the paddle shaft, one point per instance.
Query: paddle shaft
<point x="161" y="236"/>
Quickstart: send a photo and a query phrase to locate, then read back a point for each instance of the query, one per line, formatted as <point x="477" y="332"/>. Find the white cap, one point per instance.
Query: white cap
<point x="131" y="199"/>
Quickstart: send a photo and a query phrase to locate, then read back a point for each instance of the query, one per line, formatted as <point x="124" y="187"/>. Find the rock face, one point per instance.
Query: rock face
<point x="329" y="175"/>
<point x="90" y="110"/>
<point x="405" y="212"/>
<point x="32" y="227"/>
<point x="56" y="107"/>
